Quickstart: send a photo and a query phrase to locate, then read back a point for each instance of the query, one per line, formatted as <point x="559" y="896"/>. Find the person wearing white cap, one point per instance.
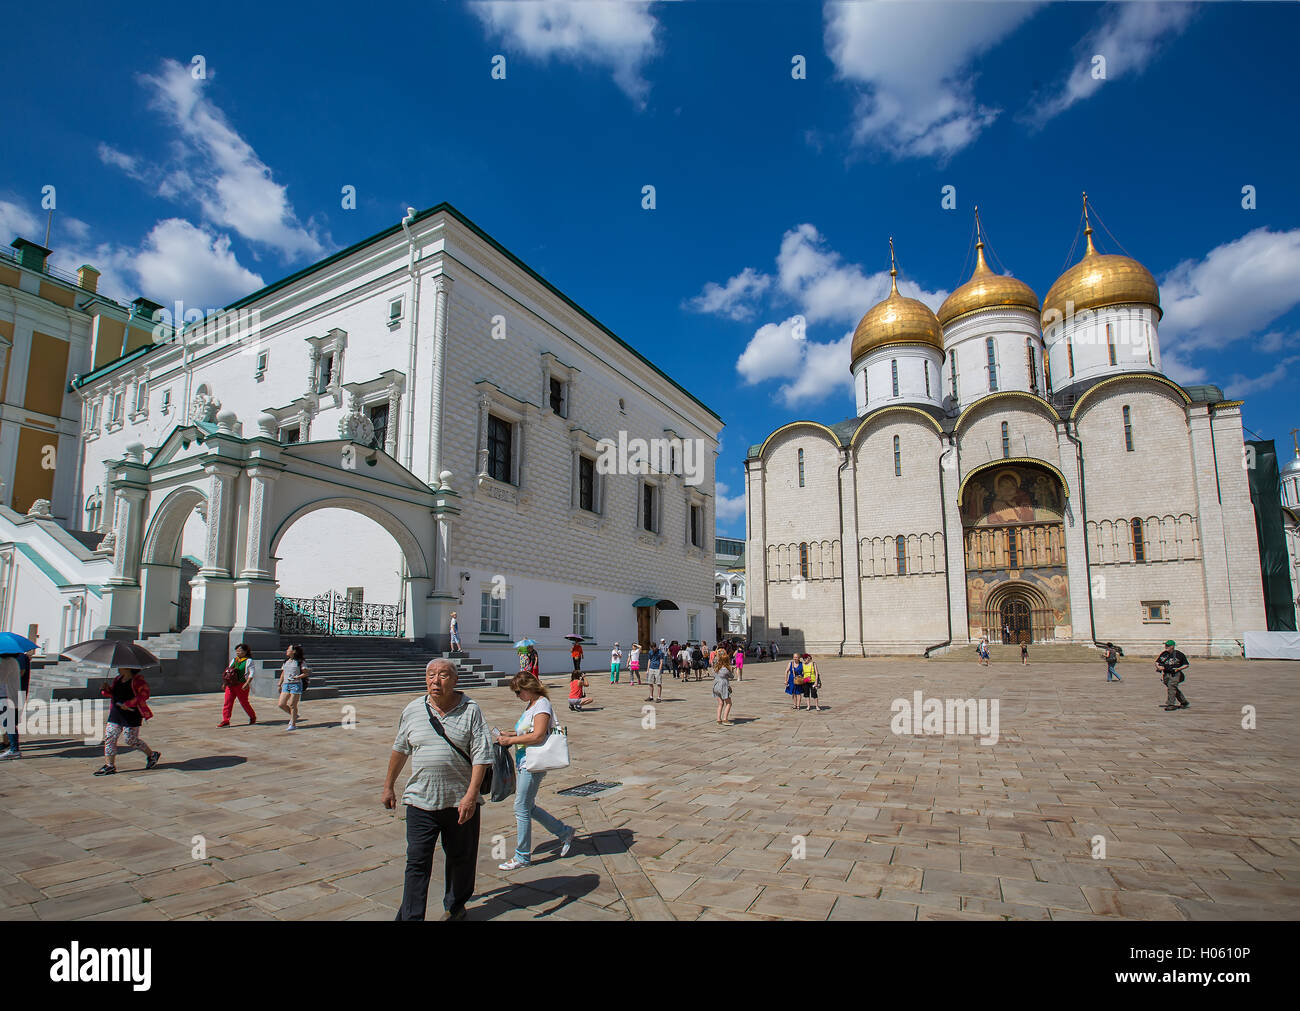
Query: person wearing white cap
<point x="615" y="662"/>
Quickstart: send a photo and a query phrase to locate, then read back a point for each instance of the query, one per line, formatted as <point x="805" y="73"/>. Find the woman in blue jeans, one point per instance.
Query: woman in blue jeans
<point x="533" y="727"/>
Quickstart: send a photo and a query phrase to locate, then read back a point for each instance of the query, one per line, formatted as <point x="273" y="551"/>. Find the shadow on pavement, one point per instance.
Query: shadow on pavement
<point x="554" y="893"/>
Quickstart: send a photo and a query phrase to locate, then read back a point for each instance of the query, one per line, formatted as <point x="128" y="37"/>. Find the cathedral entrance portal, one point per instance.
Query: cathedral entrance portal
<point x="1015" y="620"/>
<point x="1017" y="584"/>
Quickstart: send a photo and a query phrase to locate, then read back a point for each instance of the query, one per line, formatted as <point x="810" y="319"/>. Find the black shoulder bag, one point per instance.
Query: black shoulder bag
<point x="486" y="788"/>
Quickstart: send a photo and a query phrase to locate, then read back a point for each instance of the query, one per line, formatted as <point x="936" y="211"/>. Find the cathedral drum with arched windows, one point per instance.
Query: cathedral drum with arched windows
<point x="1017" y="583"/>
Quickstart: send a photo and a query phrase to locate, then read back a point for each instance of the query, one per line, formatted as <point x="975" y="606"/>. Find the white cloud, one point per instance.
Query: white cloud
<point x="825" y="288"/>
<point x="913" y="62"/>
<point x="16" y="221"/>
<point x="735" y="298"/>
<point x="1240" y="386"/>
<point x="176" y="262"/>
<point x="110" y="155"/>
<point x="1238" y="288"/>
<point x="1129" y="38"/>
<point x="614" y="34"/>
<point x="774" y="350"/>
<point x="728" y="508"/>
<point x="1179" y="369"/>
<point x="213" y="166"/>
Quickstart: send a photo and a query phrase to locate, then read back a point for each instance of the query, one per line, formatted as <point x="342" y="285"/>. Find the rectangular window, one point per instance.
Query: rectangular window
<point x="900" y="554"/>
<point x="1069" y="356"/>
<point x="893" y="365"/>
<point x="1139" y="547"/>
<point x="116" y="414"/>
<point x="587" y="484"/>
<point x="490" y="613"/>
<point x="557" y="396"/>
<point x="952" y="372"/>
<point x="580" y="611"/>
<point x="544" y="621"/>
<point x="692" y="625"/>
<point x="499" y="439"/>
<point x="1110" y="344"/>
<point x="356" y="594"/>
<point x="993" y="364"/>
<point x="1011" y="549"/>
<point x="697" y="525"/>
<point x="326" y="370"/>
<point x="898" y="458"/>
<point x="262" y="358"/>
<point x="166" y="401"/>
<point x="395" y="307"/>
<point x="1006" y="440"/>
<point x="1128" y="430"/>
<point x="1155" y="611"/>
<point x="289" y="436"/>
<point x="927" y="377"/>
<point x="141" y="397"/>
<point x="1031" y="363"/>
<point x="648" y="507"/>
<point x="1047" y="373"/>
<point x="379" y="420"/>
<point x="801" y="468"/>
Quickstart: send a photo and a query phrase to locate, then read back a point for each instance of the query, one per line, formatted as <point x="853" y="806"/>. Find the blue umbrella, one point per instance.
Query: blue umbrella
<point x="525" y="643"/>
<point x="12" y="642"/>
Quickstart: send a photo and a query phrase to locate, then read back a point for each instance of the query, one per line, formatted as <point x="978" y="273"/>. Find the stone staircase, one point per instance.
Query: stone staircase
<point x="74" y="679"/>
<point x="1045" y="652"/>
<point x="364" y="665"/>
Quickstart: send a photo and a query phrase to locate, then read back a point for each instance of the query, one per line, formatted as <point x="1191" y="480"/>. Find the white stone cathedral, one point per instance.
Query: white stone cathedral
<point x="1016" y="470"/>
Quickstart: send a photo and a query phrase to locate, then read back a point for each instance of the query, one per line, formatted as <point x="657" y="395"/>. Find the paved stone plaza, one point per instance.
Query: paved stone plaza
<point x="1200" y="817"/>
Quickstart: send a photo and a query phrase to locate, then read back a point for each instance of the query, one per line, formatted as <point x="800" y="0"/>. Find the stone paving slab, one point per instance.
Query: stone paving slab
<point x="787" y="815"/>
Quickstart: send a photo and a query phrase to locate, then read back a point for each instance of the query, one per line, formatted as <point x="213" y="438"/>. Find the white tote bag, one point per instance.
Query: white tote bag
<point x="553" y="753"/>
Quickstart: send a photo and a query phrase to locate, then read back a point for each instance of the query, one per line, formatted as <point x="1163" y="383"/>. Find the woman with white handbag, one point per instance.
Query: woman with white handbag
<point x="539" y="746"/>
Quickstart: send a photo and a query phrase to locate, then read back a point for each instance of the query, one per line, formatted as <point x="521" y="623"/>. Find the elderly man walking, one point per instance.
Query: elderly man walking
<point x="444" y="735"/>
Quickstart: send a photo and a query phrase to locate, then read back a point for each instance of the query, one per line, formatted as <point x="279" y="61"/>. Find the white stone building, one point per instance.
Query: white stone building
<point x="415" y="421"/>
<point x="1019" y="471"/>
<point x="729" y="588"/>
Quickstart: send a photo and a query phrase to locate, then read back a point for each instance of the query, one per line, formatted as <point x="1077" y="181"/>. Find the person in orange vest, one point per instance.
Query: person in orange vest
<point x="576" y="653"/>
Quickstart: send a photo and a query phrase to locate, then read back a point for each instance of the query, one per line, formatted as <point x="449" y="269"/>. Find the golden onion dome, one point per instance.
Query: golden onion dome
<point x="1098" y="280"/>
<point x="896" y="320"/>
<point x="986" y="290"/>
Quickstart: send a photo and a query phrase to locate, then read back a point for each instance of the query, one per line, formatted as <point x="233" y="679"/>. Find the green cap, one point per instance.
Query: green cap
<point x="1170" y="642"/>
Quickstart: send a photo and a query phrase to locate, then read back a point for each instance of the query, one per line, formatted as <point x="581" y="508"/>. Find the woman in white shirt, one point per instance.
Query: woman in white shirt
<point x="615" y="662"/>
<point x="533" y="727"/>
<point x="291" y="684"/>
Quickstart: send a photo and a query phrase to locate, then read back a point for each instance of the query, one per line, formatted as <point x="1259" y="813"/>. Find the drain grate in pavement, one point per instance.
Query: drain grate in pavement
<point x="587" y="789"/>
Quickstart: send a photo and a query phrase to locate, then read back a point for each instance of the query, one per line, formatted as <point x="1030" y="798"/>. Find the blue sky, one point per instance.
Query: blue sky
<point x="775" y="196"/>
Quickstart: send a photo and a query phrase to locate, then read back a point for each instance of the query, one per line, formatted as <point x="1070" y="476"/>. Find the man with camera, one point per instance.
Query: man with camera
<point x="1171" y="664"/>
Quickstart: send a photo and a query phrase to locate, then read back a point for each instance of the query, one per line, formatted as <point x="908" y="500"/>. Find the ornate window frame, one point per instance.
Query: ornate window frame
<point x="334" y="342"/>
<point x="388" y="387"/>
<point x="553" y="368"/>
<point x="583" y="446"/>
<point x="492" y="400"/>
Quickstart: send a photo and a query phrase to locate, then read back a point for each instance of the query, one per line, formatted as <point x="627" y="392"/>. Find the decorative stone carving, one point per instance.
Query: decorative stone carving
<point x="41" y="509"/>
<point x="109" y="543"/>
<point x="204" y="408"/>
<point x="355" y="426"/>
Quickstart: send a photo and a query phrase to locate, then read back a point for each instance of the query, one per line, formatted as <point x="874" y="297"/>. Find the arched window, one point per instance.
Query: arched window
<point x="1139" y="549"/>
<point x="803" y="560"/>
<point x="1110" y="344"/>
<point x="1031" y="363"/>
<point x="952" y="372"/>
<point x="717" y="589"/>
<point x="1006" y="440"/>
<point x="1128" y="429"/>
<point x="898" y="458"/>
<point x="1047" y="373"/>
<point x="94" y="507"/>
<point x="900" y="553"/>
<point x="1069" y="356"/>
<point x="993" y="364"/>
<point x="801" y="468"/>
<point x="893" y="365"/>
<point x="927" y="377"/>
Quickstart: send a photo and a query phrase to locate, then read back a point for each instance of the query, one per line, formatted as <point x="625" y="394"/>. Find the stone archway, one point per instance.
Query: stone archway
<point x="1018" y="612"/>
<point x="164" y="594"/>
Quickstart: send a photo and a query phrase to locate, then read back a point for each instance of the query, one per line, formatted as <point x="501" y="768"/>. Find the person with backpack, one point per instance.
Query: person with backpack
<point x="445" y="737"/>
<point x="813" y="681"/>
<point x="1171" y="664"/>
<point x="1112" y="658"/>
<point x="236" y="680"/>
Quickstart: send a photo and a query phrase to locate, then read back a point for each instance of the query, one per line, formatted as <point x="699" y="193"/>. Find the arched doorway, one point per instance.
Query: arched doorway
<point x="363" y="590"/>
<point x="1017" y="581"/>
<point x="168" y="566"/>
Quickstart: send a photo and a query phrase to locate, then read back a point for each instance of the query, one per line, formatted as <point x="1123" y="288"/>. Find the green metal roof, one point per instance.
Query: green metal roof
<point x="103" y="370"/>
